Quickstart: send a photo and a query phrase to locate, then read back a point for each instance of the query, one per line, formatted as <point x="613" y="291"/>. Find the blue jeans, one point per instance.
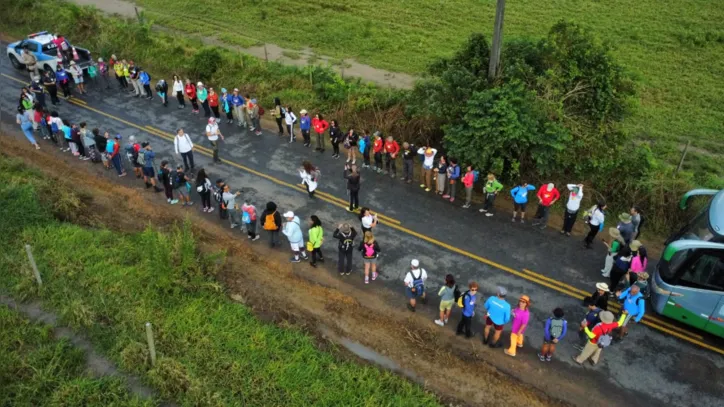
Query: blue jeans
<point x="28" y="130"/>
<point x="117" y="163"/>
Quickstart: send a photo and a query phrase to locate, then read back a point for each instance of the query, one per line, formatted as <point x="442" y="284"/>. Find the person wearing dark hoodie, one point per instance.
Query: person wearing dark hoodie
<point x="278" y="114"/>
<point x="272" y="223"/>
<point x="345" y="234"/>
<point x="162" y="91"/>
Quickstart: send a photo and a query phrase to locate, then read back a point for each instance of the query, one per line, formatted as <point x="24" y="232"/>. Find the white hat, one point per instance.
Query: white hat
<point x="415" y="263"/>
<point x="551" y="186"/>
<point x="199" y="84"/>
<point x="602" y="287"/>
<point x="132" y="138"/>
<point x="236" y="89"/>
<point x="100" y="59"/>
<point x="289" y="214"/>
<point x="606" y="317"/>
<point x="303" y="111"/>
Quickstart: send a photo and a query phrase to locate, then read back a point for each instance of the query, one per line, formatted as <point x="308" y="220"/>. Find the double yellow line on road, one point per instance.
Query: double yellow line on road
<point x="649" y="320"/>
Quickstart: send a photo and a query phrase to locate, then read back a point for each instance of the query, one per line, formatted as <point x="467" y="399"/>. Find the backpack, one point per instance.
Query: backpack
<point x="217" y="194"/>
<point x="92" y="71"/>
<point x="362" y="146"/>
<point x="269" y="223"/>
<point x="476" y="175"/>
<point x="261" y="111"/>
<point x="604" y="340"/>
<point x="179" y="179"/>
<point x="460" y="299"/>
<point x="417" y="282"/>
<point x="556" y="327"/>
<point x="141" y="158"/>
<point x="369" y="249"/>
<point x="456" y="293"/>
<point x="245" y="217"/>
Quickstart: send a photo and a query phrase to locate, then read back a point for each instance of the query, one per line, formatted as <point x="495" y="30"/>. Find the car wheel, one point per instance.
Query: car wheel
<point x="15" y="62"/>
<point x="46" y="68"/>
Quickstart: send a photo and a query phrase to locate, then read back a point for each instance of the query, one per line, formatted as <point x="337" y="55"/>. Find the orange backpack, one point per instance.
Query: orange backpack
<point x="269" y="223"/>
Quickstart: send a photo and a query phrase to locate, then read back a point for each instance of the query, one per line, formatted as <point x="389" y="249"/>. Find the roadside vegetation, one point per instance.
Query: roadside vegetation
<point x="623" y="141"/>
<point x="211" y="350"/>
<point x="38" y="370"/>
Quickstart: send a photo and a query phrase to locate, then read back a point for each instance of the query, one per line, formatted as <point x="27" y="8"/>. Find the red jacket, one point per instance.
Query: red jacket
<point x="190" y="91"/>
<point x="377" y="146"/>
<point x="214" y="100"/>
<point x="392" y="148"/>
<point x="547" y="197"/>
<point x="320" y="126"/>
<point x="468" y="179"/>
<point x="116" y="148"/>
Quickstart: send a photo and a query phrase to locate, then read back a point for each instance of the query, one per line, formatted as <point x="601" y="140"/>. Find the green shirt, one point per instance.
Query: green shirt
<point x="492" y="186"/>
<point x="316" y="234"/>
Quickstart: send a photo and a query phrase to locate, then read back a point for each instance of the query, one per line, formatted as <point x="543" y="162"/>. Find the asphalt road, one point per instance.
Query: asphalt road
<point x="658" y="362"/>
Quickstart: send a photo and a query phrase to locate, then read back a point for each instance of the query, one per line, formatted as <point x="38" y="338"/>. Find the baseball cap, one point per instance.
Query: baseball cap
<point x="501" y="291"/>
<point x="289" y="214"/>
<point x="118" y="137"/>
<point x="415" y="263"/>
<point x="223" y="90"/>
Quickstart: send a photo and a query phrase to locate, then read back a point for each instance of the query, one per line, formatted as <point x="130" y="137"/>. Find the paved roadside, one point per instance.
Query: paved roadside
<point x="445" y="239"/>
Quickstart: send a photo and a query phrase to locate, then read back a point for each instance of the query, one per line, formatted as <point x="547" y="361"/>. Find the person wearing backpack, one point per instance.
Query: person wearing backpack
<point x="591" y="319"/>
<point x="292" y="229"/>
<point x="408" y="159"/>
<point x="316" y="238"/>
<point x="185" y="147"/>
<point x="345" y="234"/>
<point x="228" y="204"/>
<point x="133" y="150"/>
<point x="468" y="182"/>
<point x="203" y="187"/>
<point x="145" y="158"/>
<point x="353" y="184"/>
<point x="520" y="199"/>
<point x="183" y="186"/>
<point x="490" y="191"/>
<point x="248" y="218"/>
<point x="521" y="316"/>
<point x="468" y="300"/>
<point x="554" y="331"/>
<point x="497" y="315"/>
<point x="370" y="250"/>
<point x="447" y="294"/>
<point x="599" y="337"/>
<point x="415" y="284"/>
<point x="145" y="80"/>
<point x="633" y="307"/>
<point x="272" y="223"/>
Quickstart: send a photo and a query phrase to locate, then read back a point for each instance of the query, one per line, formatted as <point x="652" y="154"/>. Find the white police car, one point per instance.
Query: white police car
<point x="46" y="52"/>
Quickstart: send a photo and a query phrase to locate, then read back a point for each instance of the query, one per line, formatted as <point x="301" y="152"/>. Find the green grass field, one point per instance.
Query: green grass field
<point x="675" y="48"/>
<point x="211" y="350"/>
<point x="37" y="370"/>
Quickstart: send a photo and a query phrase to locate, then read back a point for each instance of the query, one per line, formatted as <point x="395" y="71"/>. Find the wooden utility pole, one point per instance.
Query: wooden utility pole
<point x="683" y="156"/>
<point x="497" y="41"/>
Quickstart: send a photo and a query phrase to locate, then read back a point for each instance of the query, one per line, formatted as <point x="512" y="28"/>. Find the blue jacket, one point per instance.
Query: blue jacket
<point x="455" y="173"/>
<point x="469" y="301"/>
<point x="498" y="310"/>
<point x="144" y="78"/>
<point x="148" y="157"/>
<point x="633" y="304"/>
<point x="237" y="100"/>
<point x="226" y="103"/>
<point x="293" y="231"/>
<point x="305" y="122"/>
<point x="520" y="194"/>
<point x="61" y="75"/>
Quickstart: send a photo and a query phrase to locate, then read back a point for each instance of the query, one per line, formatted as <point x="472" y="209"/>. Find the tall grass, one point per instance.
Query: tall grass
<point x="38" y="370"/>
<point x="211" y="351"/>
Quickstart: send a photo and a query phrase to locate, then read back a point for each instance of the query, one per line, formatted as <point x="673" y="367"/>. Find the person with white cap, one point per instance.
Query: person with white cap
<point x="415" y="284"/>
<point x="293" y="231"/>
<point x="345" y="234"/>
<point x="600" y="296"/>
<point x="77" y="73"/>
<point x="238" y="104"/>
<point x="600" y="337"/>
<point x="305" y="125"/>
<point x="213" y="133"/>
<point x="427" y="163"/>
<point x="497" y="314"/>
<point x="203" y="96"/>
<point x="547" y="196"/>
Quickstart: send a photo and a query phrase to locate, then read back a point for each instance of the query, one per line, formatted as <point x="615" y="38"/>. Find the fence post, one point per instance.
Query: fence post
<point x="683" y="155"/>
<point x="33" y="265"/>
<point x="266" y="55"/>
<point x="151" y="344"/>
<point x="138" y="15"/>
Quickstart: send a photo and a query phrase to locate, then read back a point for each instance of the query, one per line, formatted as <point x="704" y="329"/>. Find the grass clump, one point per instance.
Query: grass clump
<point x="210" y="349"/>
<point x="38" y="370"/>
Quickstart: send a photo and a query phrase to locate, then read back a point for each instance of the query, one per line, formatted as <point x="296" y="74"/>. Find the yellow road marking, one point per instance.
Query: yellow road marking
<point x="525" y="274"/>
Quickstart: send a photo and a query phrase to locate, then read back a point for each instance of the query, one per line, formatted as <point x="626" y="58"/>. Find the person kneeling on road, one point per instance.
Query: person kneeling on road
<point x="415" y="284"/>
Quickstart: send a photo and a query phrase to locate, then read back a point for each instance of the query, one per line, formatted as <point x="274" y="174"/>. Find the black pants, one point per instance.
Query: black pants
<point x="407" y="169"/>
<point x="66" y="88"/>
<point x="215" y="109"/>
<point x="366" y="156"/>
<point x="122" y="81"/>
<point x="205" y="105"/>
<point x="591" y="234"/>
<point x="195" y="104"/>
<point x="465" y="324"/>
<point x="206" y="199"/>
<point x="378" y="160"/>
<point x="320" y="141"/>
<point x="223" y="213"/>
<point x="311" y="193"/>
<point x="279" y="125"/>
<point x="317" y="255"/>
<point x="149" y="93"/>
<point x="335" y="148"/>
<point x="188" y="160"/>
<point x="81" y="149"/>
<point x="390" y="165"/>
<point x="168" y="190"/>
<point x="568" y="220"/>
<point x="353" y="199"/>
<point x="541" y="214"/>
<point x="273" y="238"/>
<point x="53" y="91"/>
<point x="180" y="98"/>
<point x="615" y="277"/>
<point x="345" y="256"/>
<point x="489" y="201"/>
<point x="230" y="115"/>
<point x="305" y="135"/>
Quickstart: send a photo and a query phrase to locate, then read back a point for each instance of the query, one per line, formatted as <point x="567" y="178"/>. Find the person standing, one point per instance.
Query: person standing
<point x="309" y="175"/>
<point x="178" y="91"/>
<point x="249" y="219"/>
<point x="490" y="191"/>
<point x="453" y="176"/>
<point x="520" y="199"/>
<point x="447" y="299"/>
<point x="365" y="145"/>
<point x="36" y="88"/>
<point x="51" y="86"/>
<point x="25" y="120"/>
<point x="596" y="218"/>
<point x="614" y="246"/>
<point x="368" y="220"/>
<point x="184" y="147"/>
<point x="599" y="338"/>
<point x="190" y="90"/>
<point x="305" y="125"/>
<point x="145" y="80"/>
<point x="320" y="127"/>
<point x="238" y="103"/>
<point x="521" y="316"/>
<point x="255" y="112"/>
<point x="335" y="137"/>
<point x="278" y="115"/>
<point x="77" y="73"/>
<point x="213" y="134"/>
<point x="353" y="185"/>
<point x="346" y="235"/>
<point x="214" y="103"/>
<point x="116" y="157"/>
<point x="468" y="300"/>
<point x="134" y="76"/>
<point x="391" y="149"/>
<point x="30" y="61"/>
<point x="468" y="182"/>
<point x="350" y="143"/>
<point x="226" y="106"/>
<point x="290" y="118"/>
<point x="167" y="180"/>
<point x="625" y="227"/>
<point x="427" y="165"/>
<point x="378" y="146"/>
<point x="118" y="70"/>
<point x="554" y="331"/>
<point x="600" y="296"/>
<point x="637" y="220"/>
<point x="633" y="307"/>
<point x="498" y="314"/>
<point x="572" y="206"/>
<point x="440" y="176"/>
<point x="203" y="96"/>
<point x="64" y="80"/>
<point x="293" y="231"/>
<point x="228" y="200"/>
<point x="370" y="251"/>
<point x="547" y="196"/>
<point x="203" y="187"/>
<point x="126" y="68"/>
<point x="589" y="321"/>
<point x="316" y="238"/>
<point x="408" y="162"/>
<point x="183" y="186"/>
<point x="218" y="192"/>
<point x="162" y="91"/>
<point x="272" y="223"/>
<point x="415" y="284"/>
<point x="149" y="174"/>
<point x="103" y="71"/>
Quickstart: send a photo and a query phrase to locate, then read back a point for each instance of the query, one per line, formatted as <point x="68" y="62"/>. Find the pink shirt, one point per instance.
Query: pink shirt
<point x="637" y="266"/>
<point x="520" y="318"/>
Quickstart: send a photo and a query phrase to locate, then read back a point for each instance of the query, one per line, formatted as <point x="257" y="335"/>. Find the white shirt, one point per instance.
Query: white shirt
<point x="574" y="201"/>
<point x="290" y="118"/>
<point x="75" y="71"/>
<point x="367" y="221"/>
<point x="597" y="217"/>
<point x="307" y="179"/>
<point x="212" y="129"/>
<point x="428" y="161"/>
<point x="183" y="143"/>
<point x="178" y="86"/>
<point x="409" y="278"/>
